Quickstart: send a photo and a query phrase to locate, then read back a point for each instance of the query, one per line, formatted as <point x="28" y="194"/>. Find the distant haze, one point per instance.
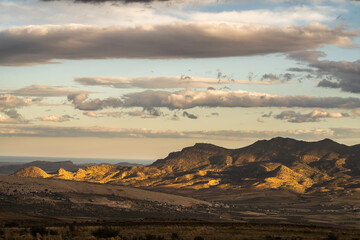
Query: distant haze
<point x="22" y="159"/>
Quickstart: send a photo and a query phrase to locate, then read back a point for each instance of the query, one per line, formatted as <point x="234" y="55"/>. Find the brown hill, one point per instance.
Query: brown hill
<point x="32" y="172"/>
<point x="279" y="163"/>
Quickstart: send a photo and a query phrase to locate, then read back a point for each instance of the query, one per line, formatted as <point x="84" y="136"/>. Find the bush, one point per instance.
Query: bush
<point x="105" y="232"/>
<point x="53" y="232"/>
<point x="198" y="238"/>
<point x="331" y="236"/>
<point x="154" y="237"/>
<point x="35" y="230"/>
<point x="174" y="236"/>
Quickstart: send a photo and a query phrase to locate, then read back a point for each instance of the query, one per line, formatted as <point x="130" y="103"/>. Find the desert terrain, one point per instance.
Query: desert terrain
<point x="270" y="189"/>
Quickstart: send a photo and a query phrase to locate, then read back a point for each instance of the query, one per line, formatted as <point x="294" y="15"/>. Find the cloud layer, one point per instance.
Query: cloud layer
<point x="48" y="43"/>
<point x="217" y="98"/>
<point x="106" y="132"/>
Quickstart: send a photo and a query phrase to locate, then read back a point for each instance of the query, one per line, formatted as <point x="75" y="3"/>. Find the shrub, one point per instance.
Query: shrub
<point x="154" y="237"/>
<point x="174" y="236"/>
<point x="198" y="238"/>
<point x="331" y="236"/>
<point x="35" y="230"/>
<point x="53" y="232"/>
<point x="105" y="232"/>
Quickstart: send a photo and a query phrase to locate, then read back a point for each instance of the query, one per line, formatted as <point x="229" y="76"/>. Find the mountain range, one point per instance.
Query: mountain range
<point x="279" y="163"/>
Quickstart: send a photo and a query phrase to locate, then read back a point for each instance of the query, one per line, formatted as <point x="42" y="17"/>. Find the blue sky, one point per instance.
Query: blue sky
<point x="139" y="80"/>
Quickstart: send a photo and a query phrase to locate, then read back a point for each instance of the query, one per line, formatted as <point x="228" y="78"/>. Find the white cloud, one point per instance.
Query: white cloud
<point x="314" y="116"/>
<point x="163" y="82"/>
<point x="90" y="114"/>
<point x="46" y="91"/>
<point x="81" y="102"/>
<point x="53" y="118"/>
<point x="186" y="99"/>
<point x="8" y="101"/>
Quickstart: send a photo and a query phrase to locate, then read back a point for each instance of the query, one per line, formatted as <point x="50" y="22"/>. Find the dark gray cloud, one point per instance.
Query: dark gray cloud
<point x="336" y="74"/>
<point x="82" y="102"/>
<point x="314" y="116"/>
<point x="267" y="115"/>
<point x="48" y="43"/>
<point x="189" y="115"/>
<point x="187" y="99"/>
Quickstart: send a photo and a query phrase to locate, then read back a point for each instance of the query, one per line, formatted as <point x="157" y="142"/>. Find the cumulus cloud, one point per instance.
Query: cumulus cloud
<point x="81" y="102"/>
<point x="106" y="132"/>
<point x="8" y="101"/>
<point x="314" y="116"/>
<point x="336" y="74"/>
<point x="46" y="91"/>
<point x="186" y="99"/>
<point x="53" y="118"/>
<point x="12" y="117"/>
<point x="45" y="44"/>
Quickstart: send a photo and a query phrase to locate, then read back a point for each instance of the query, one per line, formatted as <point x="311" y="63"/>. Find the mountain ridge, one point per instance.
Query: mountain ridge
<point x="279" y="163"/>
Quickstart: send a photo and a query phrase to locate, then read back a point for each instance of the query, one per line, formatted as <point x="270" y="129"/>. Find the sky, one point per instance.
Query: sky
<point x="138" y="79"/>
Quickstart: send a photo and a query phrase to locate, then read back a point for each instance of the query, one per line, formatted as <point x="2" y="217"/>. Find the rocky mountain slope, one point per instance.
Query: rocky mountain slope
<point x="279" y="163"/>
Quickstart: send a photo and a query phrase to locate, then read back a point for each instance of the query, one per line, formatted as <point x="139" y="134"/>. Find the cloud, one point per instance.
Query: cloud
<point x="81" y="102"/>
<point x="267" y="115"/>
<point x="90" y="114"/>
<point x="356" y="112"/>
<point x="187" y="99"/>
<point x="12" y="113"/>
<point x="164" y="82"/>
<point x="189" y="115"/>
<point x="150" y="82"/>
<point x="337" y="74"/>
<point x="13" y="117"/>
<point x="314" y="116"/>
<point x="46" y="91"/>
<point x="106" y="132"/>
<point x="260" y="120"/>
<point x="8" y="101"/>
<point x="46" y="44"/>
<point x="53" y="118"/>
<point x="114" y="1"/>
